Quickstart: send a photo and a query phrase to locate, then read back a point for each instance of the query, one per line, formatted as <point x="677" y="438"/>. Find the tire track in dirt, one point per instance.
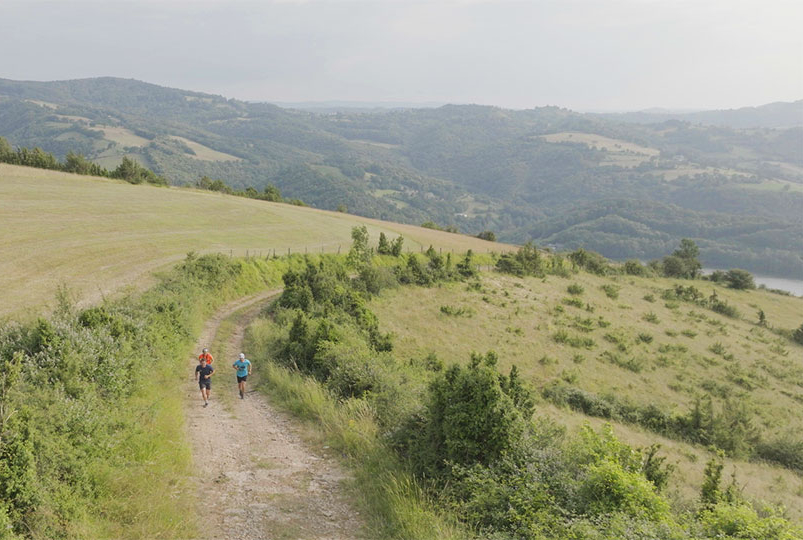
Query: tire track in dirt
<point x="255" y="477"/>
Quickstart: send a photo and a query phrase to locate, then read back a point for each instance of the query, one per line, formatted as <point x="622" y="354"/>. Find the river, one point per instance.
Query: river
<point x="794" y="286"/>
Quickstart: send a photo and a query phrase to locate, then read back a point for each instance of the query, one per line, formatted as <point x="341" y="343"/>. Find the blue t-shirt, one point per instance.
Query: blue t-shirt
<point x="242" y="367"/>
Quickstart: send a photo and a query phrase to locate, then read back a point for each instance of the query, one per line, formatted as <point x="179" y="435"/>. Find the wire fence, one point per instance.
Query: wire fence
<point x="272" y="252"/>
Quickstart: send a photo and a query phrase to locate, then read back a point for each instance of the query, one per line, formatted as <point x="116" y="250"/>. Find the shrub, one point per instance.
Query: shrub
<point x="651" y="318"/>
<point x="525" y="262"/>
<point x="469" y="419"/>
<point x="611" y="290"/>
<point x="575" y="289"/>
<point x="613" y="479"/>
<point x="609" y="487"/>
<point x="590" y="261"/>
<point x="576" y="341"/>
<point x="644" y="337"/>
<point x="738" y="520"/>
<point x="786" y="451"/>
<point x="629" y="363"/>
<point x="797" y="335"/>
<point x="457" y="311"/>
<point x="633" y="267"/>
<point x="574" y="302"/>
<point x="723" y="308"/>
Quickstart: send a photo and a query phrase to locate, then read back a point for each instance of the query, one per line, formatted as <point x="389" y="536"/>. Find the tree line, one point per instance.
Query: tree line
<point x="128" y="170"/>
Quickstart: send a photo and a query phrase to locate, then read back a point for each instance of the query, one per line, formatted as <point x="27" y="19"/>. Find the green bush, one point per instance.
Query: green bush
<point x="575" y="289"/>
<point x="786" y="451"/>
<point x="590" y="261"/>
<point x="574" y="302"/>
<point x="797" y="335"/>
<point x="633" y="267"/>
<point x="740" y="279"/>
<point x="525" y="262"/>
<point x="739" y="520"/>
<point x="469" y="418"/>
<point x="455" y="311"/>
<point x="611" y="290"/>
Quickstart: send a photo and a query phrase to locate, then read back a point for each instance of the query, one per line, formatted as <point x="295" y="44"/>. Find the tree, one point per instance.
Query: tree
<point x="6" y="152"/>
<point x="683" y="262"/>
<point x="78" y="164"/>
<point x="384" y="246"/>
<point x="674" y="267"/>
<point x="359" y="253"/>
<point x="272" y="194"/>
<point x="740" y="279"/>
<point x="128" y="170"/>
<point x="688" y="250"/>
<point x="396" y="246"/>
<point x="487" y="235"/>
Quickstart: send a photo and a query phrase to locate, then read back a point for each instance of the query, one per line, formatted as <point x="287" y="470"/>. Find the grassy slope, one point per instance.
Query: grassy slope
<point x="98" y="235"/>
<point x="517" y="318"/>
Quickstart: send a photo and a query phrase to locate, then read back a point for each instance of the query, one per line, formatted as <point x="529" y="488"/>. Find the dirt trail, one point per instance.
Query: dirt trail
<point x="256" y="479"/>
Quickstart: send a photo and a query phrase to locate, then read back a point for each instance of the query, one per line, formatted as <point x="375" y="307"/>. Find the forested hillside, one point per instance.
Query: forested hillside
<point x="548" y="174"/>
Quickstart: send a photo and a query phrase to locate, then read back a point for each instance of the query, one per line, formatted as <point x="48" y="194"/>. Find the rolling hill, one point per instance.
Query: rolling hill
<point x="98" y="235"/>
<point x="737" y="191"/>
<point x="643" y="354"/>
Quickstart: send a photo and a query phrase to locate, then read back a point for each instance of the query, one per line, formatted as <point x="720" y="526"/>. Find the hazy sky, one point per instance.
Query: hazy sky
<point x="580" y="54"/>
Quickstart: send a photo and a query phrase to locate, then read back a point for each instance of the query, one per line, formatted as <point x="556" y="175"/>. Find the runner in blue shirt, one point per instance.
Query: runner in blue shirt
<point x="243" y="367"/>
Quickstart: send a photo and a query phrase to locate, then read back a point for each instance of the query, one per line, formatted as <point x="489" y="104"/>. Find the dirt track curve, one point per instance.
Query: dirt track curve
<point x="255" y="477"/>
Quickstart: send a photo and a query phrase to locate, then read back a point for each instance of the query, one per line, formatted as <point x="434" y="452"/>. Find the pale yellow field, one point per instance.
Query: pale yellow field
<point x="45" y="104"/>
<point x="374" y="143"/>
<point x="122" y="136"/>
<point x="603" y="143"/>
<point x="204" y="153"/>
<point x="98" y="235"/>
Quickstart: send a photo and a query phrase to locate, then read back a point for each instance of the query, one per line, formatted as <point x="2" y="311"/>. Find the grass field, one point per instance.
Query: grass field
<point x="636" y="346"/>
<point x="204" y="153"/>
<point x="99" y="235"/>
<point x="122" y="136"/>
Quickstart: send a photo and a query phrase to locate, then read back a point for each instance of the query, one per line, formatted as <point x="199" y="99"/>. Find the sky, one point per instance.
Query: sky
<point x="585" y="55"/>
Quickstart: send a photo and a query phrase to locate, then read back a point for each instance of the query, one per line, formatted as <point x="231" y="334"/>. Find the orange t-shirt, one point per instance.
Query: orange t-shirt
<point x="208" y="357"/>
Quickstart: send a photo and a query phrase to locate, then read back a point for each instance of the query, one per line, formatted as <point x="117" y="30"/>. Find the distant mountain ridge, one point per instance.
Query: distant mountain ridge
<point x="772" y="115"/>
<point x="519" y="173"/>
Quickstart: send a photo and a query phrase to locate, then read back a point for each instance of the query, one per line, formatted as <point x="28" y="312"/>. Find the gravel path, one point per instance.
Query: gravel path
<point x="255" y="477"/>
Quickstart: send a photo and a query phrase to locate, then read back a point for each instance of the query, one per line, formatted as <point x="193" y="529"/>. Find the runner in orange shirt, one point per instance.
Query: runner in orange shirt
<point x="206" y="355"/>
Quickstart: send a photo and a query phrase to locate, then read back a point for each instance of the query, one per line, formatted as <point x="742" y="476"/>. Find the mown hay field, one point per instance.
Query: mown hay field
<point x="97" y="235"/>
